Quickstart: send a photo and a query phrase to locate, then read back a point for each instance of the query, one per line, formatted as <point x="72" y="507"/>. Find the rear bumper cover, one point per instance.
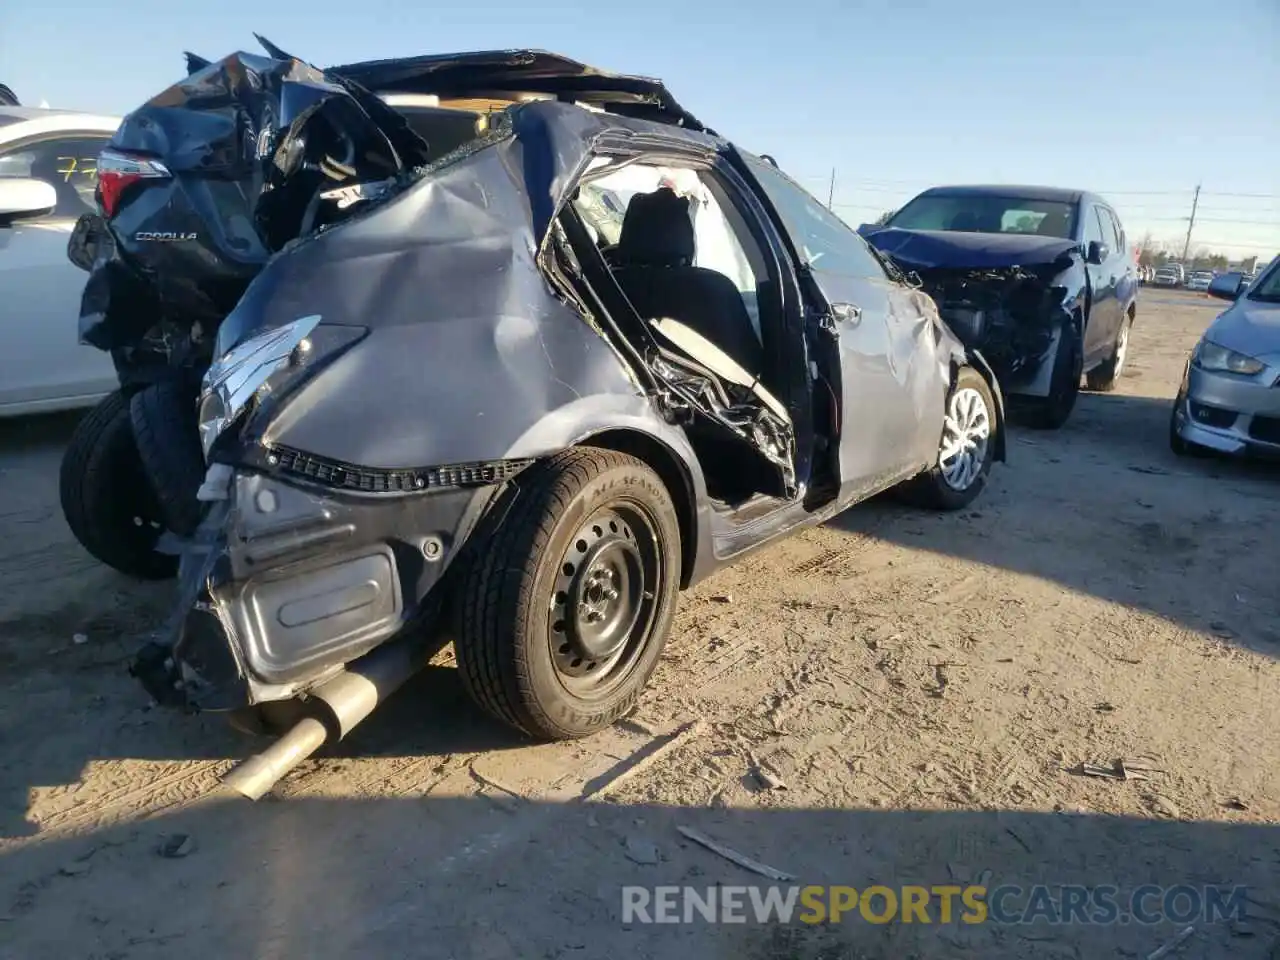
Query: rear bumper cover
<point x="284" y="583"/>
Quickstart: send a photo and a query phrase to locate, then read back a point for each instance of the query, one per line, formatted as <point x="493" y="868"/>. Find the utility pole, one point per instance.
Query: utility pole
<point x="831" y="192"/>
<point x="1195" y="202"/>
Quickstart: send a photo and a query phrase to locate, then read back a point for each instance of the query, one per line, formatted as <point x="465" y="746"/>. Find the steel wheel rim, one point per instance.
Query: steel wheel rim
<point x="604" y="600"/>
<point x="966" y="433"/>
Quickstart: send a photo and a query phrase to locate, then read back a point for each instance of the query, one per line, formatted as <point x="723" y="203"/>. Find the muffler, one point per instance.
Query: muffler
<point x="343" y="701"/>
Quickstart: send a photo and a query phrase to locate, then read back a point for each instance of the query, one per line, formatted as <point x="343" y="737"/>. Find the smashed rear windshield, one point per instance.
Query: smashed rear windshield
<point x="976" y="213"/>
<point x="498" y="128"/>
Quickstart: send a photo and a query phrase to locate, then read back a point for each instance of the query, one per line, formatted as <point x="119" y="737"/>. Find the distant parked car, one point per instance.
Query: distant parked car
<point x="1200" y="280"/>
<point x="48" y="173"/>
<point x="1229" y="400"/>
<point x="1040" y="279"/>
<point x="1167" y="277"/>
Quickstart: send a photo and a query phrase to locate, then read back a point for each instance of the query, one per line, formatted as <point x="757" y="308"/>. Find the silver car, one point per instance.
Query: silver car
<point x="1229" y="400"/>
<point x="48" y="172"/>
<point x="1200" y="280"/>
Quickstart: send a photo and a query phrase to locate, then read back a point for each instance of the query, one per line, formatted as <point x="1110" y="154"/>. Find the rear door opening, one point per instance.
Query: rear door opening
<point x="696" y="295"/>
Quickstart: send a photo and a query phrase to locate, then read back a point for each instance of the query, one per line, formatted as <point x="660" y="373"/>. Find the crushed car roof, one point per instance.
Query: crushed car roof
<point x="520" y="71"/>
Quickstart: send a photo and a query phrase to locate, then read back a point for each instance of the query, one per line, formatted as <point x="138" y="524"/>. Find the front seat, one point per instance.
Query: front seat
<point x="966" y="221"/>
<point x="1055" y="224"/>
<point x="654" y="266"/>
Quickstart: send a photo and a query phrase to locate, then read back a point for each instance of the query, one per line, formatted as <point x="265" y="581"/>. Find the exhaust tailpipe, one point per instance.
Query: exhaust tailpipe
<point x="346" y="699"/>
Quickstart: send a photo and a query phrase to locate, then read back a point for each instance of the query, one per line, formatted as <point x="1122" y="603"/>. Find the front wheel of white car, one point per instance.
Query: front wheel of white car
<point x="965" y="451"/>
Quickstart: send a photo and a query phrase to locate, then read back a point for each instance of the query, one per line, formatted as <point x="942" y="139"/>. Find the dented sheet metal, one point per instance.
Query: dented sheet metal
<point x="450" y="266"/>
<point x="1007" y="295"/>
<point x="523" y="72"/>
<point x="245" y="147"/>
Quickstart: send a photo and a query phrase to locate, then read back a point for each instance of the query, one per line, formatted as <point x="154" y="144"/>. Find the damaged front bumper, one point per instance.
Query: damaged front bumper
<point x="1014" y="316"/>
<point x="1228" y="412"/>
<point x="285" y="581"/>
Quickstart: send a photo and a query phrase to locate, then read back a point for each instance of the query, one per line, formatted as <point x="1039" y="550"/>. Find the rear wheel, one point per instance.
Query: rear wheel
<point x="106" y="499"/>
<point x="1104" y="378"/>
<point x="1052" y="411"/>
<point x="568" y="594"/>
<point x="165" y="427"/>
<point x="964" y="454"/>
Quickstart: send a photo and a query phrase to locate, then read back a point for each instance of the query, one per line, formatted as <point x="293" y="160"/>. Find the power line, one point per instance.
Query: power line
<point x="1243" y="246"/>
<point x="1234" y="220"/>
<point x="1250" y="223"/>
<point x="879" y="183"/>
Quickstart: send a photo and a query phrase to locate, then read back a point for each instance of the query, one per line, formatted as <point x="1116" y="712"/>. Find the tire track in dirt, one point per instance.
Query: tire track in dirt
<point x="136" y="800"/>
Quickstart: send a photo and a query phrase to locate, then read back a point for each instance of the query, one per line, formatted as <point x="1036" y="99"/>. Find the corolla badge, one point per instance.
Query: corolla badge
<point x="166" y="236"/>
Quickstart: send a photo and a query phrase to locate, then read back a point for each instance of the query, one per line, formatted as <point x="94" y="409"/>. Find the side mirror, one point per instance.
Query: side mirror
<point x="1228" y="286"/>
<point x="1097" y="252"/>
<point x="24" y="199"/>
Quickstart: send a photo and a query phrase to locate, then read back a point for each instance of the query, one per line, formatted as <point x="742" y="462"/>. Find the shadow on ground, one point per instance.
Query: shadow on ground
<point x="430" y="718"/>
<point x="465" y="878"/>
<point x="1103" y="507"/>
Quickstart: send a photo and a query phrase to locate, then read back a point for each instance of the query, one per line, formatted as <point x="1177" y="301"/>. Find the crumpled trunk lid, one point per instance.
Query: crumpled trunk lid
<point x="259" y="150"/>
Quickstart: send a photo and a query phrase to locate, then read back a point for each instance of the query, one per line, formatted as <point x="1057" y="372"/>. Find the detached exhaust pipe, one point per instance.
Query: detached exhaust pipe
<point x="345" y="699"/>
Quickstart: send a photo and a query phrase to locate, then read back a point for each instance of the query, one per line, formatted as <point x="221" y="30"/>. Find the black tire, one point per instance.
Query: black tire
<point x="165" y="427"/>
<point x="105" y="496"/>
<point x="932" y="489"/>
<point x="1051" y="412"/>
<point x="1104" y="377"/>
<point x="517" y="623"/>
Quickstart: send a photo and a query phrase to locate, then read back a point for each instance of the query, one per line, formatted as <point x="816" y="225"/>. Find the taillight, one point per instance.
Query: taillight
<point x="118" y="171"/>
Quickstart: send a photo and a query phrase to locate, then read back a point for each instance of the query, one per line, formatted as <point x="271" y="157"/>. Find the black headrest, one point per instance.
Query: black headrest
<point x="657" y="229"/>
<point x="1054" y="225"/>
<point x="965" y="220"/>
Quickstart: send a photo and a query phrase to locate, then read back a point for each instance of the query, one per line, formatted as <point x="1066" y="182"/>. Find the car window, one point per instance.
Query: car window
<point x="718" y="245"/>
<point x="823" y="240"/>
<point x="986" y="213"/>
<point x="1115" y="218"/>
<point x="1093" y="227"/>
<point x="69" y="164"/>
<point x="1111" y="231"/>
<point x="1266" y="288"/>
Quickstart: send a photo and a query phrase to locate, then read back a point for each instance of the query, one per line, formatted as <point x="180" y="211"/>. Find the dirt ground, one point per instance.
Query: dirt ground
<point x="926" y="687"/>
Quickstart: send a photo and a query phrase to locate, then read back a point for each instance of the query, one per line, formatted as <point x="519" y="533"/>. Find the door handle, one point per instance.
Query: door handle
<point x="847" y="313"/>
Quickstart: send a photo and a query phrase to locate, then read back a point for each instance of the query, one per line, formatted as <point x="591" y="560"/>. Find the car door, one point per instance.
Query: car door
<point x="885" y="428"/>
<point x="43" y="366"/>
<point x="1099" y="330"/>
<point x="1122" y="270"/>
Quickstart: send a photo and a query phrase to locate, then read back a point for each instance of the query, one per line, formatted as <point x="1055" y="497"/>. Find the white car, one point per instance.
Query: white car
<point x="1200" y="280"/>
<point x="48" y="171"/>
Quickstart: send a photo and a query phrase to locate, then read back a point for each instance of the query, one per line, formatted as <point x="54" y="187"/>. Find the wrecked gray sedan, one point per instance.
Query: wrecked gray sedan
<point x="521" y="396"/>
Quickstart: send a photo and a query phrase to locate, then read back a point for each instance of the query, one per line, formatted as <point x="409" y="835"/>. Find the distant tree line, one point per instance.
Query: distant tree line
<point x="1153" y="254"/>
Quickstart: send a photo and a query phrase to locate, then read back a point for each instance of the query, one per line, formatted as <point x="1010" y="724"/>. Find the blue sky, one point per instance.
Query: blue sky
<point x="1139" y="100"/>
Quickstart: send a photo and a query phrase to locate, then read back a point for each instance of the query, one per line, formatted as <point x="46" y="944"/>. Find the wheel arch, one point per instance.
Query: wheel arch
<point x="975" y="359"/>
<point x="674" y="473"/>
